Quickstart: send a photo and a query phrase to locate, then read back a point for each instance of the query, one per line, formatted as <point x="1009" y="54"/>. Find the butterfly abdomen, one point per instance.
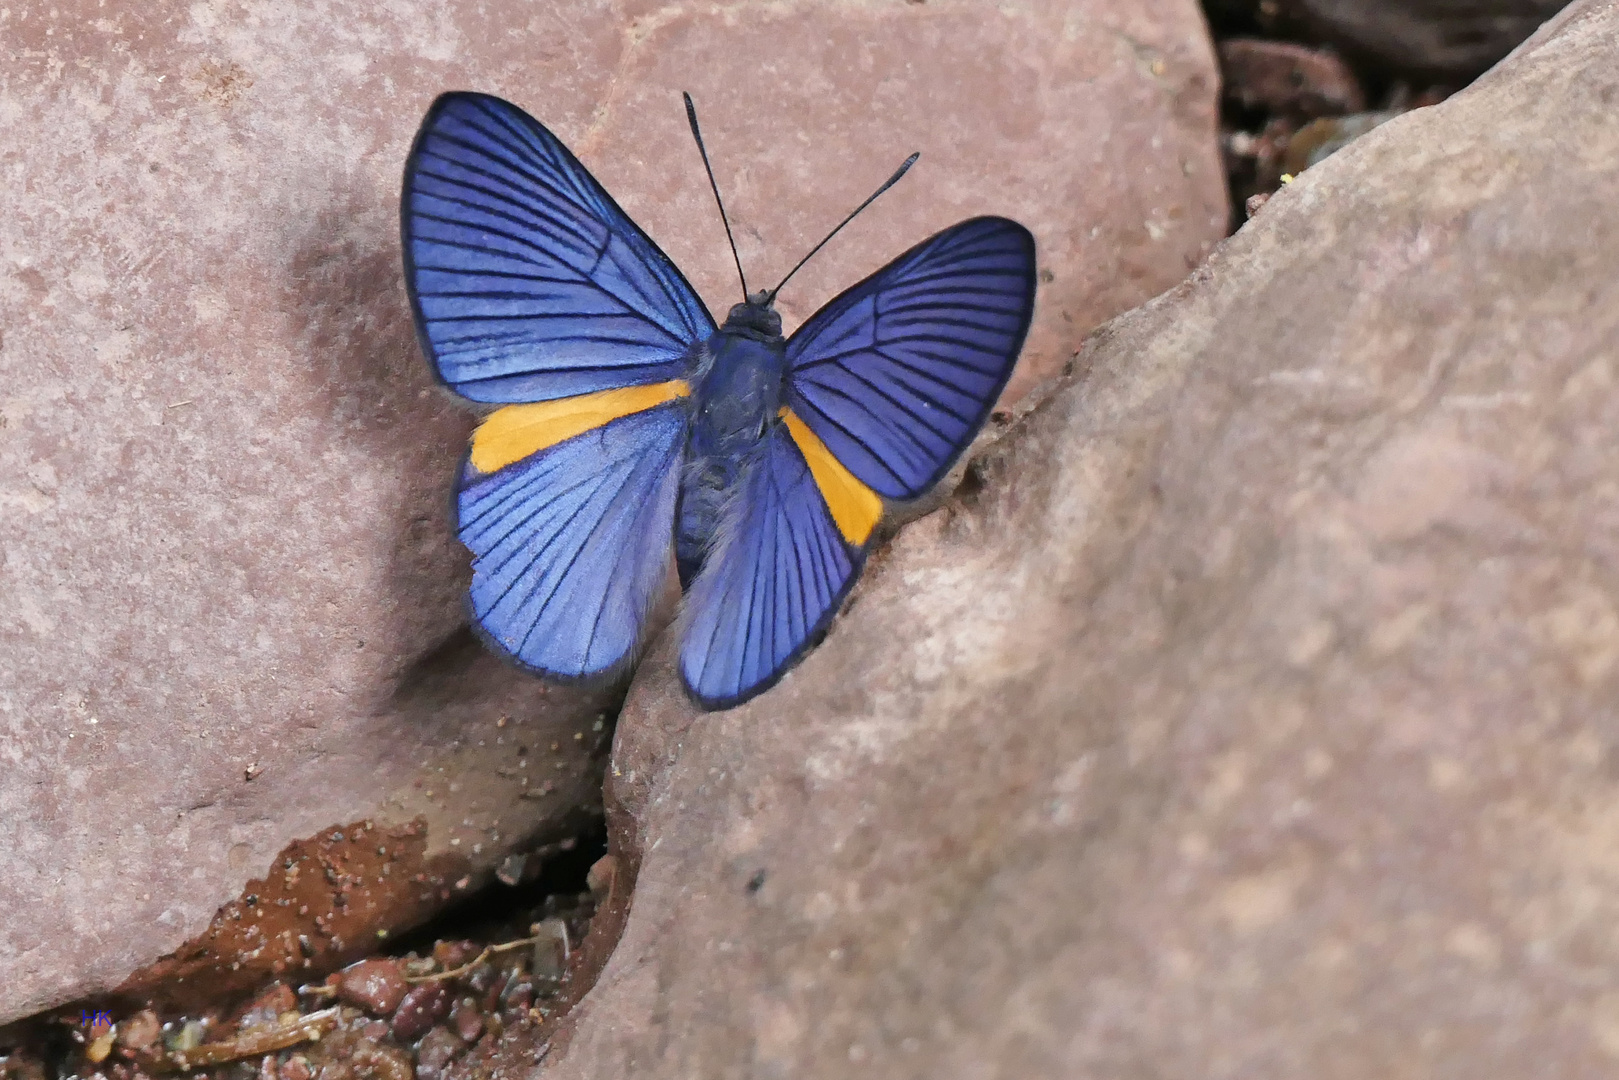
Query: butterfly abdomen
<point x="735" y="401"/>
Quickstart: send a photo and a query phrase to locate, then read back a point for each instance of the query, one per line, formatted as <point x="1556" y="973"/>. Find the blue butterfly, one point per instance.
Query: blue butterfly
<point x="630" y="424"/>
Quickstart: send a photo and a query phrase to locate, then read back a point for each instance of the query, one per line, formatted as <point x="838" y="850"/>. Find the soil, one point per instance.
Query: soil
<point x="468" y="996"/>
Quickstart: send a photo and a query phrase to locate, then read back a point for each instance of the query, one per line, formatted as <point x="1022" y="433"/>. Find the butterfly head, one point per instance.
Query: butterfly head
<point x="756" y="318"/>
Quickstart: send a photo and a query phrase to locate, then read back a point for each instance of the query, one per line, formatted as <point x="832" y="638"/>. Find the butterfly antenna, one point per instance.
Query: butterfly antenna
<point x="890" y="182"/>
<point x="696" y="133"/>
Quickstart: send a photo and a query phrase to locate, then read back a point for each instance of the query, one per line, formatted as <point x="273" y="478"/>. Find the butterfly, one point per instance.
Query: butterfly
<point x="630" y="427"/>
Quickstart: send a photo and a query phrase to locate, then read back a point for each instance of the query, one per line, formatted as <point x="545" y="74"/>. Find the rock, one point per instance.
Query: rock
<point x="1280" y="77"/>
<point x="376" y="1062"/>
<point x="466" y="1020"/>
<point x="438" y="1048"/>
<point x="511" y="870"/>
<point x="485" y="979"/>
<point x="452" y="954"/>
<point x="424" y="1005"/>
<point x="232" y="610"/>
<point x="1449" y="39"/>
<point x="140" y="1031"/>
<point x="517" y="996"/>
<point x="551" y="950"/>
<point x="1249" y="713"/>
<point x="100" y="1045"/>
<point x="375" y="985"/>
<point x="266" y="1008"/>
<point x="186" y="1036"/>
<point x="599" y="879"/>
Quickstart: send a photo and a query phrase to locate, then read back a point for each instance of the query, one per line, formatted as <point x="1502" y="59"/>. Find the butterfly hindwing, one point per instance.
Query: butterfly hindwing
<point x="777" y="572"/>
<point x="527" y="281"/>
<point x="897" y="374"/>
<point x="571" y="544"/>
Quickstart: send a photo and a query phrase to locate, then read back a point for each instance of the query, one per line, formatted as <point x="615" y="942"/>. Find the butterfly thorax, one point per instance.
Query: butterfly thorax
<point x="756" y="319"/>
<point x="736" y="396"/>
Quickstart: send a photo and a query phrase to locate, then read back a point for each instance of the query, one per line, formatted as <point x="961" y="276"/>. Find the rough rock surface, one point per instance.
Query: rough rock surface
<point x="229" y="602"/>
<point x="1251" y="711"/>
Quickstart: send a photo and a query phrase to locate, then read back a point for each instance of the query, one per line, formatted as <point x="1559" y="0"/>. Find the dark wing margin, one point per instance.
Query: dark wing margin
<point x="771" y="586"/>
<point x="897" y="374"/>
<point x="526" y="280"/>
<point x="571" y="545"/>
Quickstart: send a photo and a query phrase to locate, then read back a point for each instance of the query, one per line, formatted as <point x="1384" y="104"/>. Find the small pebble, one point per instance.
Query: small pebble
<point x="101" y="1045"/>
<point x="375" y="985"/>
<point x="266" y="1008"/>
<point x="1282" y="77"/>
<point x="188" y="1036"/>
<point x="510" y="871"/>
<point x="373" y="1062"/>
<point x="438" y="1048"/>
<point x="452" y="954"/>
<point x="467" y="1021"/>
<point x="268" y="1069"/>
<point x="417" y="966"/>
<point x="481" y="978"/>
<point x="517" y="997"/>
<point x="296" y="1068"/>
<point x="140" y="1031"/>
<point x="551" y="949"/>
<point x="600" y="877"/>
<point x="422" y="1007"/>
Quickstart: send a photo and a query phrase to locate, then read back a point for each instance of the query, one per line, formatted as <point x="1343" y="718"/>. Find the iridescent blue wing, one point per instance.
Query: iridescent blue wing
<point x="780" y="569"/>
<point x="527" y="281"/>
<point x="571" y="544"/>
<point x="897" y="374"/>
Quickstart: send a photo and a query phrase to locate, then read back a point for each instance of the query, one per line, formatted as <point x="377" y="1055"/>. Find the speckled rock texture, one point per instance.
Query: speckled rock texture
<point x="1251" y="710"/>
<point x="230" y="605"/>
<point x="1434" y="39"/>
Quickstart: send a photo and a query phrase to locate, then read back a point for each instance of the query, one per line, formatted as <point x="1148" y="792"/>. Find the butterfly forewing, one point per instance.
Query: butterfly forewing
<point x="527" y="280"/>
<point x="529" y="284"/>
<point x="897" y="374"/>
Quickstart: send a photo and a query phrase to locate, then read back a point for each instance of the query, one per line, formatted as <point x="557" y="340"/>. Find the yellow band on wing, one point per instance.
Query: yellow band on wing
<point x="516" y="431"/>
<point x="855" y="507"/>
